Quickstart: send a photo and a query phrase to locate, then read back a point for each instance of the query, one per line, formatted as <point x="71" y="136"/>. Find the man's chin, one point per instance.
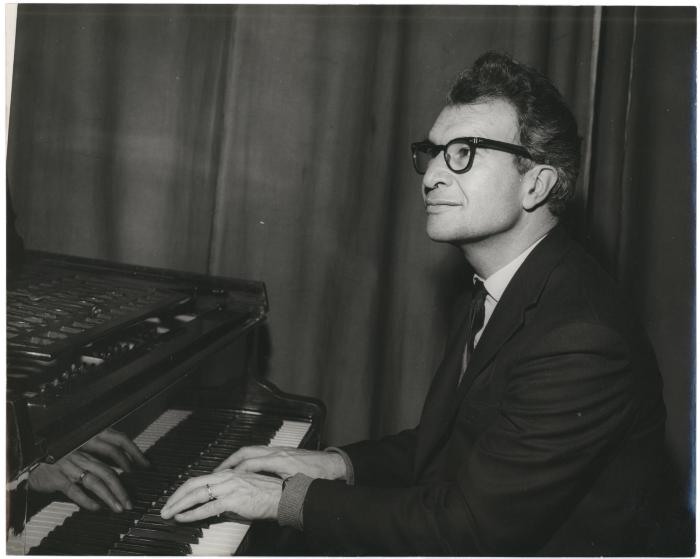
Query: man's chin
<point x="441" y="236"/>
<point x="453" y="237"/>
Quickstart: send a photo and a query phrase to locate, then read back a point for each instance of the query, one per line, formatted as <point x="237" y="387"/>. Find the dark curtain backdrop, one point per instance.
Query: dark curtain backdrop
<point x="271" y="143"/>
<point x="641" y="199"/>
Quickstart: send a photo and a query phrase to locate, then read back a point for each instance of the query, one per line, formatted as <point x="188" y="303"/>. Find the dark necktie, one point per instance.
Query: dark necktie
<point x="476" y="322"/>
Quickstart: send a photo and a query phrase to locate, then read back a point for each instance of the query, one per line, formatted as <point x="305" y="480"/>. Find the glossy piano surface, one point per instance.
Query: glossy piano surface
<point x="92" y="344"/>
<point x="93" y="339"/>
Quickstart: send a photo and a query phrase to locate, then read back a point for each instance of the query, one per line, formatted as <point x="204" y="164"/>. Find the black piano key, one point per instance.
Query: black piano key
<point x="199" y="471"/>
<point x="72" y="546"/>
<point x="197" y="525"/>
<point x="85" y="529"/>
<point x="149" y="476"/>
<point x="169" y="536"/>
<point x="84" y="518"/>
<point x="180" y="529"/>
<point x="157" y="545"/>
<point x="134" y="549"/>
<point x="206" y="459"/>
<point x="97" y="540"/>
<point x="156" y="518"/>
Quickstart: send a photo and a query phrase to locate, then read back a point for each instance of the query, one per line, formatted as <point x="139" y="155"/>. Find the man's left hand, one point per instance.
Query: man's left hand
<point x="252" y="496"/>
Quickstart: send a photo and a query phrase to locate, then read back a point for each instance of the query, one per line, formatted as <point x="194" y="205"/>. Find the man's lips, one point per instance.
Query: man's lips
<point x="435" y="206"/>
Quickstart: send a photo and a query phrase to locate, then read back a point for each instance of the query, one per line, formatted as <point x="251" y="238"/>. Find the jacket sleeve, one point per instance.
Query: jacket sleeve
<point x="386" y="462"/>
<point x="567" y="405"/>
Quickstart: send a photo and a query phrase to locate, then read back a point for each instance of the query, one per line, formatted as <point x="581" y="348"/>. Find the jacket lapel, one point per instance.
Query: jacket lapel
<point x="522" y="293"/>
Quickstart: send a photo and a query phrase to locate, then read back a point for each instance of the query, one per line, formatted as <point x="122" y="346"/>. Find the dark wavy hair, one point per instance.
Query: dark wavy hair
<point x="547" y="127"/>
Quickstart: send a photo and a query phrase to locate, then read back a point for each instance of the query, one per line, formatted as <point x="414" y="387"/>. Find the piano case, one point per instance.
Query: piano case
<point x="93" y="344"/>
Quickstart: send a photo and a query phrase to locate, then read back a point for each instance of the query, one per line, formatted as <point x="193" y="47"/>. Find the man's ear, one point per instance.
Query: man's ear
<point x="538" y="183"/>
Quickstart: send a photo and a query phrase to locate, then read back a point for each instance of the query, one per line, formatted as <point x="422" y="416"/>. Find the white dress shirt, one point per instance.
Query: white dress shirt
<point x="497" y="282"/>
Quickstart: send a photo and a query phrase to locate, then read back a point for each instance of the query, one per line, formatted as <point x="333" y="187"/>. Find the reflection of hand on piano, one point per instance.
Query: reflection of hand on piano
<point x="83" y="469"/>
<point x="286" y="462"/>
<point x="251" y="496"/>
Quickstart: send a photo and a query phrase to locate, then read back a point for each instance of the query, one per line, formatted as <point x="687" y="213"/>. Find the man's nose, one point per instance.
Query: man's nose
<point x="437" y="175"/>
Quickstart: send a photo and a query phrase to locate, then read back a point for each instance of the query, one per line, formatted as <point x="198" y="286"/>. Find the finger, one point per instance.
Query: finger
<point x="106" y="450"/>
<point x="104" y="492"/>
<point x="242" y="454"/>
<point x="196" y="496"/>
<point x="103" y="482"/>
<point x="70" y="470"/>
<point x="127" y="445"/>
<point x="207" y="510"/>
<point x="270" y="464"/>
<point x="76" y="494"/>
<point x="194" y="484"/>
<point x="68" y="475"/>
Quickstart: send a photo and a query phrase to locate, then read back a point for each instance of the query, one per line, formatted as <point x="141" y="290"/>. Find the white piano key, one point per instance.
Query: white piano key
<point x="167" y="421"/>
<point x="220" y="539"/>
<point x="51" y="516"/>
<point x="291" y="433"/>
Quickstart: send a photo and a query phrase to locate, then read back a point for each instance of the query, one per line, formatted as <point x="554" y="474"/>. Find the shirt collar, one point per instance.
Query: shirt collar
<point x="497" y="282"/>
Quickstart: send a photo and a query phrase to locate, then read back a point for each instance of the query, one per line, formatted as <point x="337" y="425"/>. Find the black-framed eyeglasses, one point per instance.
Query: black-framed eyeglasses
<point x="459" y="153"/>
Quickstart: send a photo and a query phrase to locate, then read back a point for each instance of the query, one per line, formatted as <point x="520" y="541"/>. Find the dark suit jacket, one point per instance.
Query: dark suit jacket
<point x="551" y="445"/>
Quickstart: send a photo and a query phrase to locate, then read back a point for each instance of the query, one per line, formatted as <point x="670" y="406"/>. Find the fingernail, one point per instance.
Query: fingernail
<point x="118" y="507"/>
<point x="129" y="506"/>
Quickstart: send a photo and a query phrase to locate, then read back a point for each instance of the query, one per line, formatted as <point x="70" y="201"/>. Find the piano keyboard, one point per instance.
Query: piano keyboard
<point x="63" y="528"/>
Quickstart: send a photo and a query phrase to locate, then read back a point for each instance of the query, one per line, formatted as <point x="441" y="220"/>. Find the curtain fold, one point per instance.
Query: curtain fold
<point x="641" y="195"/>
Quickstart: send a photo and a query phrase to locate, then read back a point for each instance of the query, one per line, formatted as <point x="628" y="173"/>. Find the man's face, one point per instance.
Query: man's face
<point x="485" y="201"/>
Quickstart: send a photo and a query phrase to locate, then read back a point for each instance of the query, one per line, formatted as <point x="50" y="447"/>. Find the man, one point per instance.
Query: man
<point x="543" y="428"/>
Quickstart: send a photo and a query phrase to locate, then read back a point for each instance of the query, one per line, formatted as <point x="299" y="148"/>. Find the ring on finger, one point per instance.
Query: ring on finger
<point x="209" y="492"/>
<point x="83" y="474"/>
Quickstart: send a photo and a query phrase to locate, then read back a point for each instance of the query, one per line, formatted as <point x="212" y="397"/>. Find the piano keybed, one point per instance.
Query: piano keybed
<point x="180" y="444"/>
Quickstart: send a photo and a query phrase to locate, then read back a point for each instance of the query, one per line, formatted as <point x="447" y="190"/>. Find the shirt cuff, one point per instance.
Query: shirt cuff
<point x="290" y="511"/>
<point x="349" y="470"/>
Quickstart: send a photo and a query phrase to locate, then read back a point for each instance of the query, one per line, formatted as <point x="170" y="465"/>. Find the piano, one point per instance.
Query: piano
<point x="171" y="359"/>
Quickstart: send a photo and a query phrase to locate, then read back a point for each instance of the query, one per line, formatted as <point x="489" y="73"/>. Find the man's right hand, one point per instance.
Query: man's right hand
<point x="82" y="469"/>
<point x="286" y="462"/>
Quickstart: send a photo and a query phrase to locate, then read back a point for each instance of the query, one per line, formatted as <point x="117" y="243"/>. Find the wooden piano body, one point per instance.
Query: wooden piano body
<point x="92" y="344"/>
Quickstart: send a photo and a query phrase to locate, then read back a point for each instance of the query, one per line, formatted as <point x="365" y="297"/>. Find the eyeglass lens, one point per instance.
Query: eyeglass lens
<point x="457" y="156"/>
